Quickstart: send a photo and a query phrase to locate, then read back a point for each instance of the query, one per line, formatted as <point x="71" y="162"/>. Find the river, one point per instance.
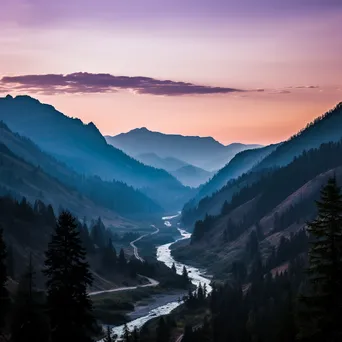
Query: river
<point x="164" y="255"/>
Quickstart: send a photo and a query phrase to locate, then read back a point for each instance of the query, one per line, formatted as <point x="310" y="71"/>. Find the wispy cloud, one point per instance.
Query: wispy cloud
<point x="83" y="82"/>
<point x="279" y="91"/>
<point x="307" y="87"/>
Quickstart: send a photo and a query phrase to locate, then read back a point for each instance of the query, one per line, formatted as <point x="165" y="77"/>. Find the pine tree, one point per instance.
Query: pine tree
<point x="108" y="337"/>
<point x="29" y="322"/>
<point x="163" y="331"/>
<point x="4" y="299"/>
<point x="122" y="259"/>
<point x="10" y="262"/>
<point x="173" y="268"/>
<point x="69" y="306"/>
<point x="323" y="305"/>
<point x="98" y="234"/>
<point x="126" y="334"/>
<point x="185" y="276"/>
<point x="109" y="256"/>
<point x="135" y="335"/>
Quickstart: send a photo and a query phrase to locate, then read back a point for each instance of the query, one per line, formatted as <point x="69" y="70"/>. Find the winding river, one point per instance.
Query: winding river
<point x="164" y="255"/>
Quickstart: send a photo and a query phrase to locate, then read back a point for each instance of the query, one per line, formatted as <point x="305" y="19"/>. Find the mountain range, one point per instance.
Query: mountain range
<point x="203" y="152"/>
<point x="28" y="171"/>
<point x="275" y="198"/>
<point x="187" y="174"/>
<point x="84" y="149"/>
<point x="241" y="171"/>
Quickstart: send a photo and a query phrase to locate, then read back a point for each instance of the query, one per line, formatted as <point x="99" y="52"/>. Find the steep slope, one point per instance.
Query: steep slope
<point x="111" y="195"/>
<point x="22" y="179"/>
<point x="203" y="152"/>
<point x="191" y="175"/>
<point x="276" y="205"/>
<point x="169" y="164"/>
<point x="84" y="149"/>
<point x="324" y="129"/>
<point x="240" y="164"/>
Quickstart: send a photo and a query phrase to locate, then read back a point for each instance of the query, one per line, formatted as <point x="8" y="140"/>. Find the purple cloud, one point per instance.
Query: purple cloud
<point x="83" y="82"/>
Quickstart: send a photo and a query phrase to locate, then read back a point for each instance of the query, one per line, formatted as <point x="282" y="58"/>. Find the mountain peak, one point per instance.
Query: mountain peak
<point x="141" y="130"/>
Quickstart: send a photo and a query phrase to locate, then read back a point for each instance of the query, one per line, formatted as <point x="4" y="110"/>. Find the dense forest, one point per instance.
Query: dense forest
<point x="48" y="264"/>
<point x="260" y="303"/>
<point x="286" y="180"/>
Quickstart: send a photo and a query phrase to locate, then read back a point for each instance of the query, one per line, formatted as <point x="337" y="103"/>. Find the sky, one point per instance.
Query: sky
<point x="238" y="70"/>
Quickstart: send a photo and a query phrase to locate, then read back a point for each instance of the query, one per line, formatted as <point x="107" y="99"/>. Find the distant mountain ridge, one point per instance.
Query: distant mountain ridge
<point x="187" y="174"/>
<point x="114" y="196"/>
<point x="168" y="163"/>
<point x="324" y="129"/>
<point x="83" y="148"/>
<point x="242" y="163"/>
<point x="203" y="152"/>
<point x="192" y="175"/>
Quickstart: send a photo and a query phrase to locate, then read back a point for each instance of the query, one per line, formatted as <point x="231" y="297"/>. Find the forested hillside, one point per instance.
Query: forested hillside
<point x="324" y="129"/>
<point x="277" y="204"/>
<point x="83" y="148"/>
<point x="113" y="195"/>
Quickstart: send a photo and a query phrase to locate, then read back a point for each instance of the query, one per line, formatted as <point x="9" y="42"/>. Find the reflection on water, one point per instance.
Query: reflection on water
<point x="164" y="255"/>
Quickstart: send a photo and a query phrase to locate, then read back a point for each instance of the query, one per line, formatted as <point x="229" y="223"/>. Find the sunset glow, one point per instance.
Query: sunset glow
<point x="258" y="72"/>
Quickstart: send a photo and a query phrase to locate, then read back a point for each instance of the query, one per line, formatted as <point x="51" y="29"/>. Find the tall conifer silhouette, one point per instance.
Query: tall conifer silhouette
<point x="323" y="305"/>
<point x="69" y="306"/>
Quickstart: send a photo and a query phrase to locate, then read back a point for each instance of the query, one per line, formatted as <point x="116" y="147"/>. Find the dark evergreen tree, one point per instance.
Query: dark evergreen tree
<point x="98" y="234"/>
<point x="109" y="256"/>
<point x="188" y="335"/>
<point x="126" y="334"/>
<point x="163" y="331"/>
<point x="135" y="335"/>
<point x="122" y="259"/>
<point x="67" y="271"/>
<point x="108" y="337"/>
<point x="10" y="262"/>
<point x="173" y="268"/>
<point x="4" y="299"/>
<point x="87" y="241"/>
<point x="29" y="320"/>
<point x="323" y="306"/>
<point x="185" y="276"/>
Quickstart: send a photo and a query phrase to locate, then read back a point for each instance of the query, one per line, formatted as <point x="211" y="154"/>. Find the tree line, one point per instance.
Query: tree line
<point x="64" y="310"/>
<point x="301" y="303"/>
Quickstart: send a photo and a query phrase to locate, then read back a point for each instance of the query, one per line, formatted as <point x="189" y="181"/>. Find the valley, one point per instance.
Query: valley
<point x="160" y="250"/>
<point x="164" y="255"/>
<point x="170" y="171"/>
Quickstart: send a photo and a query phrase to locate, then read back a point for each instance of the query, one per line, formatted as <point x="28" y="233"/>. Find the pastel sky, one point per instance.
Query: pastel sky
<point x="238" y="70"/>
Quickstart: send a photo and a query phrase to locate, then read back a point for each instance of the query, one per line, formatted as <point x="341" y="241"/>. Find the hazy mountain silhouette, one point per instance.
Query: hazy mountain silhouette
<point x="203" y="152"/>
<point x="83" y="148"/>
<point x="113" y="195"/>
<point x="240" y="164"/>
<point x="323" y="129"/>
<point x="19" y="178"/>
<point x="280" y="203"/>
<point x="169" y="164"/>
<point x="191" y="175"/>
<point x="187" y="174"/>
